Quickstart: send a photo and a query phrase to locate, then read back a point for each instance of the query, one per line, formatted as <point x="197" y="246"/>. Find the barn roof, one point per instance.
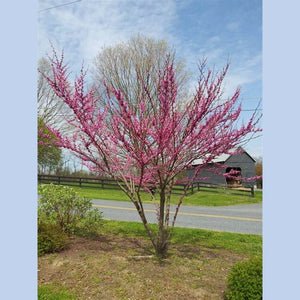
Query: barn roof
<point x="218" y="159"/>
<point x="221" y="158"/>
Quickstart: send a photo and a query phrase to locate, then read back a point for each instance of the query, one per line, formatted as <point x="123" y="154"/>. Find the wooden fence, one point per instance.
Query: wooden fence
<point x="103" y="183"/>
<point x="220" y="188"/>
<point x="178" y="189"/>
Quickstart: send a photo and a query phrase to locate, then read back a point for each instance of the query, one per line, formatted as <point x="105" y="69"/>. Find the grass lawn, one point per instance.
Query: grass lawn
<point x="118" y="265"/>
<point x="54" y="292"/>
<point x="202" y="198"/>
<point x="248" y="244"/>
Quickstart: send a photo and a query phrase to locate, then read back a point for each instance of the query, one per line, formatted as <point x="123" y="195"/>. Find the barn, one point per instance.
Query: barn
<point x="240" y="164"/>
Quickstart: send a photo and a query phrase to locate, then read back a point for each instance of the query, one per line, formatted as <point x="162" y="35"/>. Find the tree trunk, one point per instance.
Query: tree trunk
<point x="161" y="241"/>
<point x="140" y="210"/>
<point x="162" y="236"/>
<point x="162" y="244"/>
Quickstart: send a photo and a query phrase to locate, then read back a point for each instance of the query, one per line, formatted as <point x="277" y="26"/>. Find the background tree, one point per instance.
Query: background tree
<point x="49" y="107"/>
<point x="49" y="155"/>
<point x="132" y="67"/>
<point x="139" y="144"/>
<point x="50" y="111"/>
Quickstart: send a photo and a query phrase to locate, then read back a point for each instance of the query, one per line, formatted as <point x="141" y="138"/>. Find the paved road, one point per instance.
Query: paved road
<point x="236" y="218"/>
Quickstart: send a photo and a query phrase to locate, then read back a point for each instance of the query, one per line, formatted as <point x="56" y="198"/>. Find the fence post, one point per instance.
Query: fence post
<point x="252" y="191"/>
<point x="58" y="179"/>
<point x="80" y="181"/>
<point x="102" y="184"/>
<point x="198" y="186"/>
<point x="193" y="188"/>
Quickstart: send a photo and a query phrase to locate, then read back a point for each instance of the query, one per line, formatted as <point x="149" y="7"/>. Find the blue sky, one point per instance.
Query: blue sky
<point x="217" y="29"/>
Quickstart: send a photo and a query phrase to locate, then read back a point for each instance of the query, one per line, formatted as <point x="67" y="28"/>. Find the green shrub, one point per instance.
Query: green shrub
<point x="89" y="225"/>
<point x="64" y="207"/>
<point x="51" y="238"/>
<point x="245" y="280"/>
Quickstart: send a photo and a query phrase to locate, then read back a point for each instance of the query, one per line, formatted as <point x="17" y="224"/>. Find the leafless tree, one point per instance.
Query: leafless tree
<point x="49" y="107"/>
<point x="132" y="67"/>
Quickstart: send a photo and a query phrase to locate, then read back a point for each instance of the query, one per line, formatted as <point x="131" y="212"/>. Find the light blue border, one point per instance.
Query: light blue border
<point x="281" y="149"/>
<point x="18" y="25"/>
<point x="281" y="65"/>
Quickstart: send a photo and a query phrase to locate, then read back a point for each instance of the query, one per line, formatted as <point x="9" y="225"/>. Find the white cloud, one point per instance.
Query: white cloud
<point x="81" y="30"/>
<point x="244" y="72"/>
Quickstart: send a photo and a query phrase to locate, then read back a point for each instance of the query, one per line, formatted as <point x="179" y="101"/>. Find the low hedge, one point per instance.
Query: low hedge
<point x="51" y="238"/>
<point x="245" y="280"/>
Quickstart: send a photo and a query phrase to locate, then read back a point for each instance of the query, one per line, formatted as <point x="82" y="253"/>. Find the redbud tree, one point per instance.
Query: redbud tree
<point x="148" y="142"/>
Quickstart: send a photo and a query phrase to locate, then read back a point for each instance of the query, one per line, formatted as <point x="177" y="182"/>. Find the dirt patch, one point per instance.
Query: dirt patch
<point x="104" y="269"/>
